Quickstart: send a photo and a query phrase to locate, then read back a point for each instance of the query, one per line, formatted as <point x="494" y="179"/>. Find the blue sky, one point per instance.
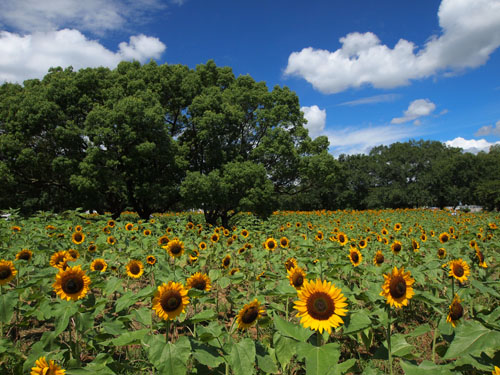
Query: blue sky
<point x="366" y="72"/>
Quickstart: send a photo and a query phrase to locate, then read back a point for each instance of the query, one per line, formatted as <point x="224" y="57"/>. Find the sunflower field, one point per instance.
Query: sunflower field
<point x="317" y="292"/>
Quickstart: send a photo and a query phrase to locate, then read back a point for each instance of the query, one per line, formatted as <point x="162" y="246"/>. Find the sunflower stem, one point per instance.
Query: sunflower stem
<point x="434" y="345"/>
<point x="318" y="339"/>
<point x="286" y="311"/>
<point x="1" y="323"/>
<point x="389" y="338"/>
<point x="452" y="288"/>
<point x="167" y="332"/>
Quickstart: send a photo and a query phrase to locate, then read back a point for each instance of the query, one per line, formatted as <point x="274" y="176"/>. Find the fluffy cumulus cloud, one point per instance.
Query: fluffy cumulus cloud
<point x="470" y="33"/>
<point x="31" y="55"/>
<point x="361" y="140"/>
<point x="417" y="108"/>
<point x="96" y="16"/>
<point x="471" y="145"/>
<point x="316" y="119"/>
<point x="489" y="130"/>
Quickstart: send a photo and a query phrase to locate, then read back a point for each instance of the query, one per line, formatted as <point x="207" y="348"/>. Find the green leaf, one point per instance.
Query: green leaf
<point x="285" y="348"/>
<point x="242" y="357"/>
<point x="356" y="322"/>
<point x="203" y="316"/>
<point x="68" y="310"/>
<point x="208" y="356"/>
<point x="472" y="338"/>
<point x="343" y="367"/>
<point x="224" y="282"/>
<point x="7" y="303"/>
<point x="129" y="338"/>
<point x="399" y="346"/>
<point x="143" y="316"/>
<point x="426" y="367"/>
<point x="291" y="330"/>
<point x="266" y="361"/>
<point x="168" y="358"/>
<point x="321" y="360"/>
<point x="125" y="301"/>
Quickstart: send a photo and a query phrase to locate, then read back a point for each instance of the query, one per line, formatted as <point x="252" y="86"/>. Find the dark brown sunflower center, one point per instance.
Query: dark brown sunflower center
<point x="297" y="280"/>
<point x="341" y="238"/>
<point x="480" y="256"/>
<point x="226" y="262"/>
<point x="72" y="285"/>
<point x="98" y="266"/>
<point x="270" y="244"/>
<point x="78" y="237"/>
<point x="320" y="306"/>
<point x="284" y="242"/>
<point x="176" y="249"/>
<point x="458" y="270"/>
<point x="134" y="269"/>
<point x="5" y="272"/>
<point x="24" y="255"/>
<point x="441" y="252"/>
<point x="92" y="248"/>
<point x="456" y="311"/>
<point x="397" y="287"/>
<point x="444" y="238"/>
<point x="250" y="314"/>
<point x="355" y="257"/>
<point x="199" y="284"/>
<point x="171" y="301"/>
<point x="379" y="258"/>
<point x="397" y="247"/>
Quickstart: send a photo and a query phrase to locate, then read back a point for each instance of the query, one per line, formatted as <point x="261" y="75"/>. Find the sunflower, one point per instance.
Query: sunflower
<point x="290" y="263"/>
<point x="7" y="271"/>
<point x="397" y="287"/>
<point x="189" y="225"/>
<point x="163" y="240"/>
<point x="320" y="305"/>
<point x="396" y="247"/>
<point x="480" y="258"/>
<point x="129" y="227"/>
<point x="214" y="238"/>
<point x="362" y="244"/>
<point x="226" y="261"/>
<point x="199" y="281"/>
<point x="444" y="237"/>
<point x="202" y="246"/>
<point x="170" y="300"/>
<point x="98" y="265"/>
<point x="319" y="236"/>
<point x="135" y="268"/>
<point x="241" y="250"/>
<point x="423" y="237"/>
<point x="385" y="232"/>
<point x="441" y="253"/>
<point x="297" y="277"/>
<point x="397" y="227"/>
<point x="284" y="242"/>
<point x="15" y="228"/>
<point x="78" y="238"/>
<point x="146" y="232"/>
<point x="473" y="244"/>
<point x="342" y="238"/>
<point x="459" y="269"/>
<point x="57" y="259"/>
<point x="92" y="248"/>
<point x="71" y="283"/>
<point x="74" y="254"/>
<point x="111" y="223"/>
<point x="456" y="311"/>
<point x="151" y="260"/>
<point x="415" y="245"/>
<point x="492" y="226"/>
<point x="496" y="371"/>
<point x="378" y="259"/>
<point x="249" y="314"/>
<point x="111" y="240"/>
<point x="42" y="367"/>
<point x="24" y="254"/>
<point x="233" y="271"/>
<point x="355" y="257"/>
<point x="175" y="248"/>
<point x="271" y="244"/>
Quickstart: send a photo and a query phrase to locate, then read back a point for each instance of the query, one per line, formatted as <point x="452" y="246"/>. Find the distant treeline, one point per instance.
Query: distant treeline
<point x="153" y="138"/>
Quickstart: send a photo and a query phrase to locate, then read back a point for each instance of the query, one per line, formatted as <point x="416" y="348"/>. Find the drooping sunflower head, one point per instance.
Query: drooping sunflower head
<point x="189" y="225"/>
<point x="78" y="238"/>
<point x="175" y="248"/>
<point x="163" y="240"/>
<point x="92" y="248"/>
<point x="355" y="257"/>
<point x="135" y="268"/>
<point x="233" y="271"/>
<point x="284" y="242"/>
<point x="73" y="254"/>
<point x="42" y="367"/>
<point x="415" y="245"/>
<point x="480" y="258"/>
<point x="98" y="265"/>
<point x="24" y="254"/>
<point x="297" y="277"/>
<point x="226" y="261"/>
<point x="249" y="314"/>
<point x="199" y="281"/>
<point x="59" y="258"/>
<point x="271" y="244"/>
<point x="378" y="259"/>
<point x="397" y="287"/>
<point x="7" y="271"/>
<point x="71" y="283"/>
<point x="290" y="263"/>
<point x="319" y="236"/>
<point x="459" y="269"/>
<point x="396" y="247"/>
<point x="441" y="253"/>
<point x="444" y="237"/>
<point x="423" y="237"/>
<point x="456" y="311"/>
<point x="151" y="260"/>
<point x="320" y="305"/>
<point x="170" y="300"/>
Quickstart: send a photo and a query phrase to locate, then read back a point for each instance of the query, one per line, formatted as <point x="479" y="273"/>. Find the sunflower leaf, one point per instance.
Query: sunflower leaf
<point x="68" y="310"/>
<point x="129" y="338"/>
<point x="168" y="358"/>
<point x="472" y="338"/>
<point x="321" y="360"/>
<point x="291" y="330"/>
<point x="7" y="303"/>
<point x="242" y="357"/>
<point x="356" y="322"/>
<point x="426" y="367"/>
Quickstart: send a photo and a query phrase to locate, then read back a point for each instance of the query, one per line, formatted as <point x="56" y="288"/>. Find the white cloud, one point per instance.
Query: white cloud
<point x="489" y="130"/>
<point x="417" y="108"/>
<point x="372" y="99"/>
<point x="471" y="145"/>
<point x="470" y="33"/>
<point x="360" y="141"/>
<point x="316" y="119"/>
<point x="30" y="56"/>
<point x="91" y="15"/>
